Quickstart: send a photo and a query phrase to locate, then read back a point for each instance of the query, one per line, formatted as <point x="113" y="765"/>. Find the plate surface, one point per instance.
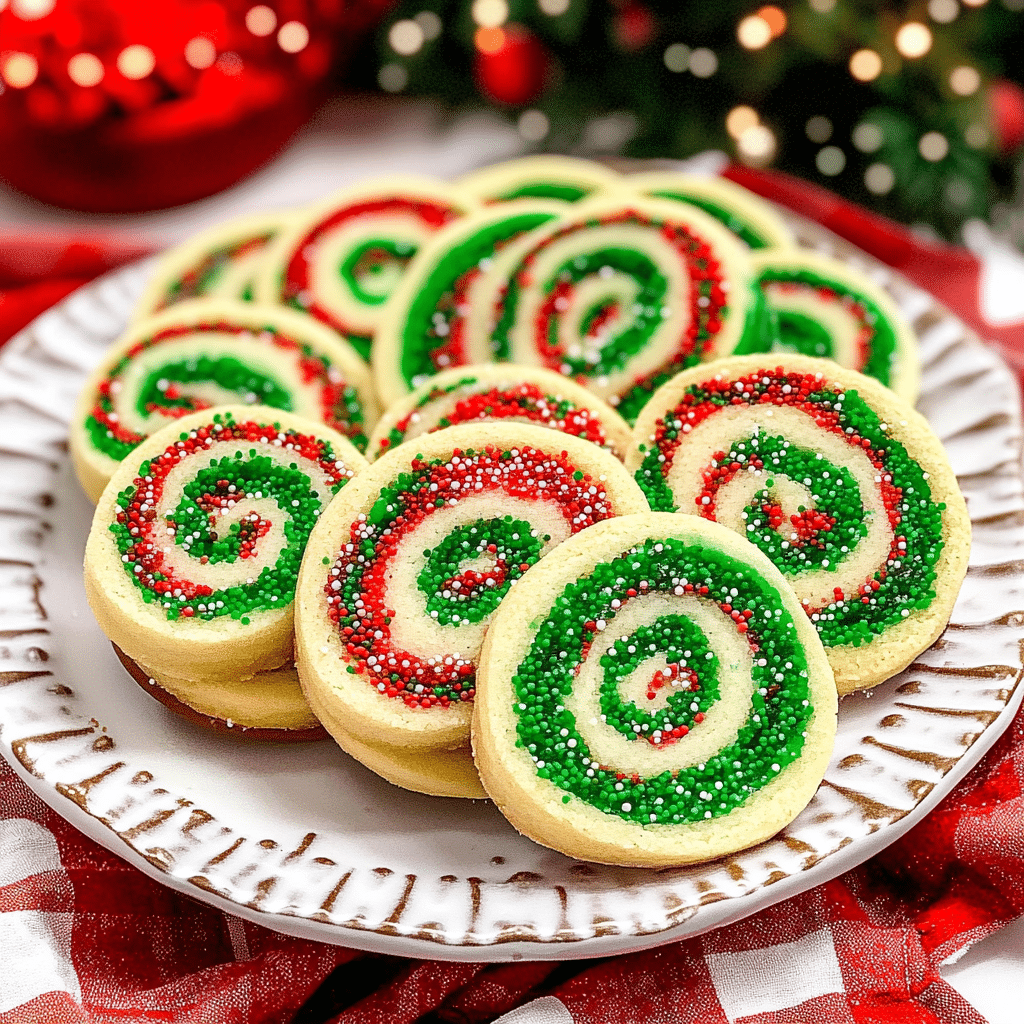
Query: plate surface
<point x="304" y="840"/>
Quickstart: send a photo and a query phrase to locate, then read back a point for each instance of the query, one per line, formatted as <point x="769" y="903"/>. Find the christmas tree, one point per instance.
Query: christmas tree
<point x="907" y="108"/>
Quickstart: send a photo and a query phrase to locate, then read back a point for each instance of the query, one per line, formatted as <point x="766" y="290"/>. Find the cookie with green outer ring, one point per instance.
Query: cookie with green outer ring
<point x="209" y="352"/>
<point x="831" y="310"/>
<point x="195" y="544"/>
<point x="745" y="214"/>
<point x="564" y="179"/>
<point x="218" y="263"/>
<point x="840" y="482"/>
<point x="501" y="391"/>
<point x="424" y="326"/>
<point x="619" y="294"/>
<point x="340" y="259"/>
<point x="404" y="571"/>
<point x="652" y="694"/>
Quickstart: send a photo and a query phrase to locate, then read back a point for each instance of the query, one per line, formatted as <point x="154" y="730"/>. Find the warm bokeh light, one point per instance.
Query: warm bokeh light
<point x="260" y="20"/>
<point x="913" y="39"/>
<point x="703" y="62"/>
<point x="977" y="136"/>
<point x="975" y="3"/>
<point x="200" y="53"/>
<point x="430" y="23"/>
<point x="392" y="78"/>
<point x="756" y="145"/>
<point x="490" y="13"/>
<point x="553" y="7"/>
<point x="776" y="19"/>
<point x="831" y="160"/>
<point x="19" y="70"/>
<point x="865" y="65"/>
<point x="822" y="6"/>
<point x="533" y="125"/>
<point x="293" y="37"/>
<point x="677" y="57"/>
<point x="489" y="40"/>
<point x="818" y="129"/>
<point x="933" y="146"/>
<point x="739" y="119"/>
<point x="406" y="37"/>
<point x="964" y="81"/>
<point x="85" y="69"/>
<point x="136" y="61"/>
<point x="32" y="10"/>
<point x="943" y="11"/>
<point x="879" y="179"/>
<point x="868" y="137"/>
<point x="754" y="32"/>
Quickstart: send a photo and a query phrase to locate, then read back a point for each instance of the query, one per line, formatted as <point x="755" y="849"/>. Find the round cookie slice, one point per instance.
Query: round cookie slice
<point x="195" y="545"/>
<point x="564" y="178"/>
<point x="841" y="483"/>
<point x="342" y="258"/>
<point x="831" y="310"/>
<point x="745" y="214"/>
<point x="404" y="571"/>
<point x="652" y="694"/>
<point x="620" y="294"/>
<point x="501" y="391"/>
<point x="210" y="352"/>
<point x="219" y="262"/>
<point x="267" y="706"/>
<point x="424" y="327"/>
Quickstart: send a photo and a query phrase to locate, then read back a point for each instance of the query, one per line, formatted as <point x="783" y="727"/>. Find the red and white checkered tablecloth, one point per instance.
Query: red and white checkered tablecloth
<point x="84" y="937"/>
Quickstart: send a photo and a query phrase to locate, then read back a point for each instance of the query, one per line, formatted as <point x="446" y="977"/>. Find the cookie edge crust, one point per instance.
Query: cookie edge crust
<point x="576" y="829"/>
<point x="318" y="650"/>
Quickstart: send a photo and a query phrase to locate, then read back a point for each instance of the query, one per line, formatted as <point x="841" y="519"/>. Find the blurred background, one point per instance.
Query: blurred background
<point x="206" y="108"/>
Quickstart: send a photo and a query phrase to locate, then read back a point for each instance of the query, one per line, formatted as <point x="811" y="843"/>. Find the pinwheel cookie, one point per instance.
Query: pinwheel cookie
<point x="843" y="485"/>
<point x="829" y="309"/>
<point x="404" y="571"/>
<point x="425" y="326"/>
<point x="195" y="544"/>
<point x="746" y="215"/>
<point x="200" y="354"/>
<point x="619" y="294"/>
<point x="218" y="263"/>
<point x="563" y="178"/>
<point x="501" y="391"/>
<point x="652" y="694"/>
<point x="342" y="258"/>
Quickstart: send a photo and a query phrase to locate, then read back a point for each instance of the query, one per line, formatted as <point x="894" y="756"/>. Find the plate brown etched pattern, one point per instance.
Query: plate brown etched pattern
<point x="305" y="841"/>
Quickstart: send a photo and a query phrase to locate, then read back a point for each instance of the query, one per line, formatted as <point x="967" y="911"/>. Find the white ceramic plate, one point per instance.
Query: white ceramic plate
<point x="305" y="840"/>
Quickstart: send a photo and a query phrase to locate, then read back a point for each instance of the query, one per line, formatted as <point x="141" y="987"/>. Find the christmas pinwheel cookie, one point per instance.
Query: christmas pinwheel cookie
<point x="195" y="545"/>
<point x="266" y="706"/>
<point x="564" y="178"/>
<point x="425" y="326"/>
<point x="619" y="295"/>
<point x="342" y="258"/>
<point x="829" y="309"/>
<point x="746" y="215"/>
<point x="200" y="354"/>
<point x="652" y="694"/>
<point x="218" y="263"/>
<point x="404" y="571"/>
<point x="842" y="484"/>
<point x="501" y="391"/>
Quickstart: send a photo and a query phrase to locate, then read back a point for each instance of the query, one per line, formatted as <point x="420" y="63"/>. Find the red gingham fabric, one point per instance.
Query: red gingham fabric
<point x="862" y="949"/>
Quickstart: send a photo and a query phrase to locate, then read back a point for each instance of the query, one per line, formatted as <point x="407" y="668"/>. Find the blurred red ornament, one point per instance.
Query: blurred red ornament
<point x="1006" y="110"/>
<point x="512" y="65"/>
<point x="126" y="105"/>
<point x="634" y="26"/>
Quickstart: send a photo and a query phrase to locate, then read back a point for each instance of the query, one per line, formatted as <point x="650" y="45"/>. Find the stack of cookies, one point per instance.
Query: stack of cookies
<point x="647" y="495"/>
